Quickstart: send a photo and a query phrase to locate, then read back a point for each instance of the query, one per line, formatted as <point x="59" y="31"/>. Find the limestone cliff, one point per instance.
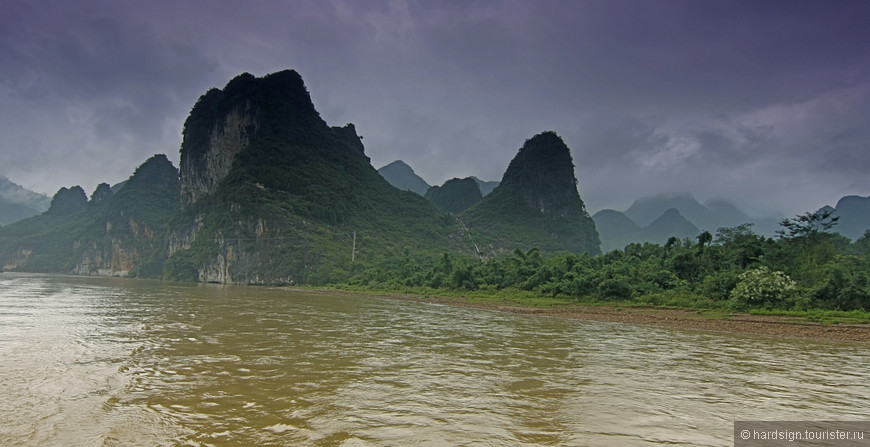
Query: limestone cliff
<point x="227" y="137"/>
<point x="272" y="194"/>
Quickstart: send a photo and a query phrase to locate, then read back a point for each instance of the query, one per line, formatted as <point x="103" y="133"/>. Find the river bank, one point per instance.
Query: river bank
<point x="701" y="320"/>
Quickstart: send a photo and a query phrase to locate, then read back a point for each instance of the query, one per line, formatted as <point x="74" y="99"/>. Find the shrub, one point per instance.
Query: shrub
<point x="762" y="287"/>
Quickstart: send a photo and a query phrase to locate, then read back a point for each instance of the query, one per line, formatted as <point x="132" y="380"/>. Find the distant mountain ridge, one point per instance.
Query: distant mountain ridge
<point x="403" y="177"/>
<point x="657" y="218"/>
<point x="112" y="234"/>
<point x="268" y="193"/>
<point x="17" y="202"/>
<point x="710" y="216"/>
<point x="455" y="195"/>
<point x="618" y="230"/>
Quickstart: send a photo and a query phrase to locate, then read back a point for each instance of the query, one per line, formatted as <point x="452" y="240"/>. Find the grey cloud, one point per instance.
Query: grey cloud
<point x="717" y="97"/>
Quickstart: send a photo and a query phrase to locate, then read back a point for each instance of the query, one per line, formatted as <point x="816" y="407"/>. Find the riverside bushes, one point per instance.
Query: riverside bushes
<point x="738" y="269"/>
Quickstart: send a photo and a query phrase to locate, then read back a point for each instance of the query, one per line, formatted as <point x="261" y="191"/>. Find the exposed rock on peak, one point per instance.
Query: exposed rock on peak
<point x="224" y="123"/>
<point x="275" y="195"/>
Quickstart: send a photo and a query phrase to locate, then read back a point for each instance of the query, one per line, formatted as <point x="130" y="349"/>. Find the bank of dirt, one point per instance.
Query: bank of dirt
<point x="779" y="326"/>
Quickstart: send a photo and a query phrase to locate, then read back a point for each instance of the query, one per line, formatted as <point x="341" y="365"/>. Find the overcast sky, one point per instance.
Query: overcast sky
<point x="765" y="103"/>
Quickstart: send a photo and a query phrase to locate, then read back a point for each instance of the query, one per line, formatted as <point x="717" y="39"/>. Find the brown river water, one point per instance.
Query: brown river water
<point x="118" y="362"/>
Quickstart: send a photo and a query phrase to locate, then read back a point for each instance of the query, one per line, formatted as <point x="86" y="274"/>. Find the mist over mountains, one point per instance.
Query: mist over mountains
<point x="17" y="203"/>
<point x="657" y="218"/>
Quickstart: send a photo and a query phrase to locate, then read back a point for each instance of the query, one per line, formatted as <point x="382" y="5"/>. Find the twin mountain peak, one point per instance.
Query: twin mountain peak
<point x="268" y="192"/>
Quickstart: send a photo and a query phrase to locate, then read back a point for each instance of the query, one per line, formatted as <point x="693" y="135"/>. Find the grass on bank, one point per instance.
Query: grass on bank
<point x="702" y="307"/>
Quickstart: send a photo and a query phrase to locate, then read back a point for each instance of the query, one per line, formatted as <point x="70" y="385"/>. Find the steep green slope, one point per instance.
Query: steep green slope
<point x="274" y="195"/>
<point x="536" y="205"/>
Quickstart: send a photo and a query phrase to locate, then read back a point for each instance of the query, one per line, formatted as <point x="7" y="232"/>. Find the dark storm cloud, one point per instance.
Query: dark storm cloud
<point x="764" y="102"/>
<point x="88" y="94"/>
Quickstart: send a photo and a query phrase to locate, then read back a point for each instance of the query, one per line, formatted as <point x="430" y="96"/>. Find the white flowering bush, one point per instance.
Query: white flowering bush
<point x="762" y="287"/>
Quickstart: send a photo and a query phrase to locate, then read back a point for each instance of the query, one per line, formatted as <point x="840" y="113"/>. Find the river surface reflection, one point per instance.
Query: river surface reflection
<point x="117" y="362"/>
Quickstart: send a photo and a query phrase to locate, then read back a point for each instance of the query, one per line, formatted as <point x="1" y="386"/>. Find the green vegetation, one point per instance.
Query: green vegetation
<point x="121" y="232"/>
<point x="301" y="204"/>
<point x="808" y="272"/>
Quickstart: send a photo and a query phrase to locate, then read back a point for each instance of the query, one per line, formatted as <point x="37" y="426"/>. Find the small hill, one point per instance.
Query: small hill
<point x="670" y="224"/>
<point x="536" y="205"/>
<point x="403" y="177"/>
<point x="616" y="230"/>
<point x="714" y="214"/>
<point x="455" y="195"/>
<point x="647" y="209"/>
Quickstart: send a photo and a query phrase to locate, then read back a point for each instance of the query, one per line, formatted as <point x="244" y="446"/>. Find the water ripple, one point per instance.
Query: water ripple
<point x="96" y="361"/>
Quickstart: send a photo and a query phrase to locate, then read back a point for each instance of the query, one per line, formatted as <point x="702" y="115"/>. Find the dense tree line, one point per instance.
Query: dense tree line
<point x="804" y="267"/>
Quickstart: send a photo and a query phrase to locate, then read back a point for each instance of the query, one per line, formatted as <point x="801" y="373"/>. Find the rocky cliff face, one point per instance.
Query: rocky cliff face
<point x="272" y="194"/>
<point x="227" y="137"/>
<point x="224" y="123"/>
<point x="106" y="259"/>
